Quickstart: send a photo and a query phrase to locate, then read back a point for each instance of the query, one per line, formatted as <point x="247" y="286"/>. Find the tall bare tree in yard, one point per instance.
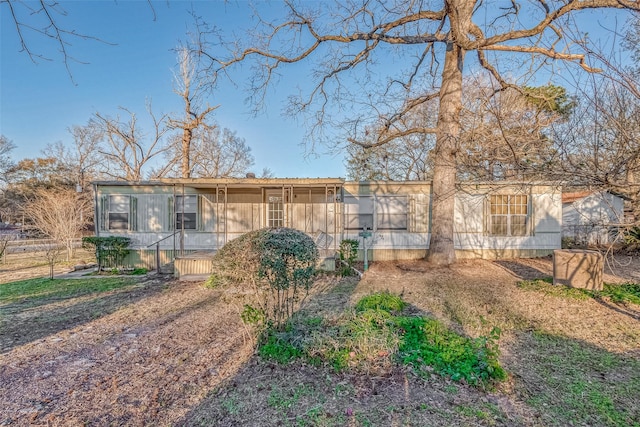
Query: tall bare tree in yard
<point x="215" y="153"/>
<point x="125" y="147"/>
<point x="191" y="88"/>
<point x="59" y="214"/>
<point x="356" y="44"/>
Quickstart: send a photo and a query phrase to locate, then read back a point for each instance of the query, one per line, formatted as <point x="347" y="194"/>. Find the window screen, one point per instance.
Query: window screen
<point x="392" y="212"/>
<point x="119" y="211"/>
<point x="509" y="213"/>
<point x="186" y="212"/>
<point x="358" y="212"/>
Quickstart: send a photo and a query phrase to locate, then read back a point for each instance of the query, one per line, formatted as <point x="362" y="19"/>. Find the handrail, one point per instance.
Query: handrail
<point x="157" y="245"/>
<point x="165" y="238"/>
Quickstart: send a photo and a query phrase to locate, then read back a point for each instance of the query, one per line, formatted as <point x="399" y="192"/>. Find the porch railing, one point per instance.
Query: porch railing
<point x="157" y="245"/>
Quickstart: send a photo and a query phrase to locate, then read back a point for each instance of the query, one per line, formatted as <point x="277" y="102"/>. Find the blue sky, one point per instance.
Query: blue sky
<point x="39" y="102"/>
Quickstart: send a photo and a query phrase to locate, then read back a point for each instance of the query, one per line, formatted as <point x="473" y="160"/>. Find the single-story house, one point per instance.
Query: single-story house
<point x="591" y="217"/>
<point x="172" y="218"/>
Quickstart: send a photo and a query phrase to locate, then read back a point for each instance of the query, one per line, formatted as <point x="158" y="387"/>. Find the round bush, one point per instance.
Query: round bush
<point x="279" y="263"/>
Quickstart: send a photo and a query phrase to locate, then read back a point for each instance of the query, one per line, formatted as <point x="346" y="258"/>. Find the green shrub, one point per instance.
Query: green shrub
<point x="279" y="266"/>
<point x="632" y="236"/>
<point x="110" y="251"/>
<point x="348" y="253"/>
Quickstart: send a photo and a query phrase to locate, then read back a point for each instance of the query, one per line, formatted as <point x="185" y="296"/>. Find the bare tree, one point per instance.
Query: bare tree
<point x="5" y="238"/>
<point x="404" y="159"/>
<point x="82" y="157"/>
<point x="599" y="147"/>
<point x="52" y="254"/>
<point x="125" y="148"/>
<point x="191" y="88"/>
<point x="60" y="214"/>
<point x="357" y="42"/>
<point x="41" y="18"/>
<point x="215" y="153"/>
<point x="502" y="136"/>
<point x="5" y="159"/>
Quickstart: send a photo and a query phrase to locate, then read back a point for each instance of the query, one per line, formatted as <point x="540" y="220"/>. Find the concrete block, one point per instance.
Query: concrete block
<point x="578" y="268"/>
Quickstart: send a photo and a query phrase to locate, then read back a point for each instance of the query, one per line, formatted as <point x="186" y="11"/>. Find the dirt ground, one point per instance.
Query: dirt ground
<point x="172" y="353"/>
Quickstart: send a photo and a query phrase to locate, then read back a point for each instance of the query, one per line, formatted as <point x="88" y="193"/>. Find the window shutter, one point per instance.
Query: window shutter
<point x="104" y="213"/>
<point x="199" y="216"/>
<point x="487" y="215"/>
<point x="530" y="214"/>
<point x="171" y="219"/>
<point x="133" y="213"/>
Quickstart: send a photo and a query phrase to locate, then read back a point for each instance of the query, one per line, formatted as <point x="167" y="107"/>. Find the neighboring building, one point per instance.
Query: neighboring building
<point x="591" y="217"/>
<point x="182" y="216"/>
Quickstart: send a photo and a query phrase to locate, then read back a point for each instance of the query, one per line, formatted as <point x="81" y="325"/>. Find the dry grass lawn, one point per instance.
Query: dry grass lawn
<point x="169" y="353"/>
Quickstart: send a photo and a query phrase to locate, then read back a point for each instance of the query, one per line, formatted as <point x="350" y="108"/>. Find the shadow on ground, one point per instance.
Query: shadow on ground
<point x="521" y="270"/>
<point x="571" y="381"/>
<point x="48" y="317"/>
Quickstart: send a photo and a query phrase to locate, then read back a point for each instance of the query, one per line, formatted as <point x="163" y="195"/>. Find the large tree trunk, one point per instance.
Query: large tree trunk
<point x="441" y="251"/>
<point x="187" y="134"/>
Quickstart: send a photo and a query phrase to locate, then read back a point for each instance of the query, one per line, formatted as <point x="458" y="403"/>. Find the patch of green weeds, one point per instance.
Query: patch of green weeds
<point x="618" y="293"/>
<point x="427" y="342"/>
<point x="451" y="389"/>
<point x="231" y="405"/>
<point x="384" y="301"/>
<point x="375" y="335"/>
<point x="277" y="346"/>
<point x="472" y="412"/>
<point x="547" y="287"/>
<point x="624" y="292"/>
<point x="286" y="399"/>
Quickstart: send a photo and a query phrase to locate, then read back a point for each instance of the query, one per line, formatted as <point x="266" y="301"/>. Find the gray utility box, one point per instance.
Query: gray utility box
<point x="578" y="268"/>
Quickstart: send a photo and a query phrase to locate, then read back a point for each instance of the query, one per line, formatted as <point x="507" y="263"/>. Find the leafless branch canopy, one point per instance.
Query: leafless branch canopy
<point x="355" y="43"/>
<point x="126" y="148"/>
<point x="41" y="18"/>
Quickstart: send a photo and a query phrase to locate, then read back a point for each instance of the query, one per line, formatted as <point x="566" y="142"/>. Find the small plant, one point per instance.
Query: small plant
<point x="632" y="236"/>
<point x="348" y="253"/>
<point x="427" y="342"/>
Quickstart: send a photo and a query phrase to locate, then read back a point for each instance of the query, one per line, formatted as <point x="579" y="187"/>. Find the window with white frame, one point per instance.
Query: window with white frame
<point x="275" y="210"/>
<point x="509" y="214"/>
<point x="186" y="212"/>
<point x="118" y="212"/>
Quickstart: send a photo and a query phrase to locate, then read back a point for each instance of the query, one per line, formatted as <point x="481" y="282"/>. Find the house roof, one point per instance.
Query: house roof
<point x="572" y="197"/>
<point x="231" y="182"/>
